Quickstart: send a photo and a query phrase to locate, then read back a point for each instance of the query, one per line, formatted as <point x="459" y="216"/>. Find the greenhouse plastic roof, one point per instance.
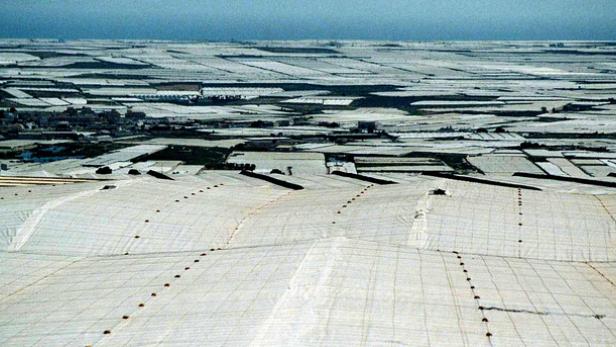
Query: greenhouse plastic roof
<point x="227" y="259"/>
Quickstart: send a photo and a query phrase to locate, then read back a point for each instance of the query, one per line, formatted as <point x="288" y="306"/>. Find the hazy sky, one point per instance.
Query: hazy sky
<point x="294" y="19"/>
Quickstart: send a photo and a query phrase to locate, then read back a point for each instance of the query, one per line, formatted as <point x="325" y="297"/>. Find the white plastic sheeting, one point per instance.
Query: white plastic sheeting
<point x="124" y="154"/>
<point x="136" y="216"/>
<point x="148" y="215"/>
<point x="328" y="292"/>
<point x="287" y="162"/>
<point x="502" y="164"/>
<point x="343" y="261"/>
<point x="18" y="204"/>
<point x="484" y="219"/>
<point x="375" y="213"/>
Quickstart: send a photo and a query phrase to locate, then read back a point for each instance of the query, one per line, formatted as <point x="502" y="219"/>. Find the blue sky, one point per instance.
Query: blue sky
<point x="294" y="19"/>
